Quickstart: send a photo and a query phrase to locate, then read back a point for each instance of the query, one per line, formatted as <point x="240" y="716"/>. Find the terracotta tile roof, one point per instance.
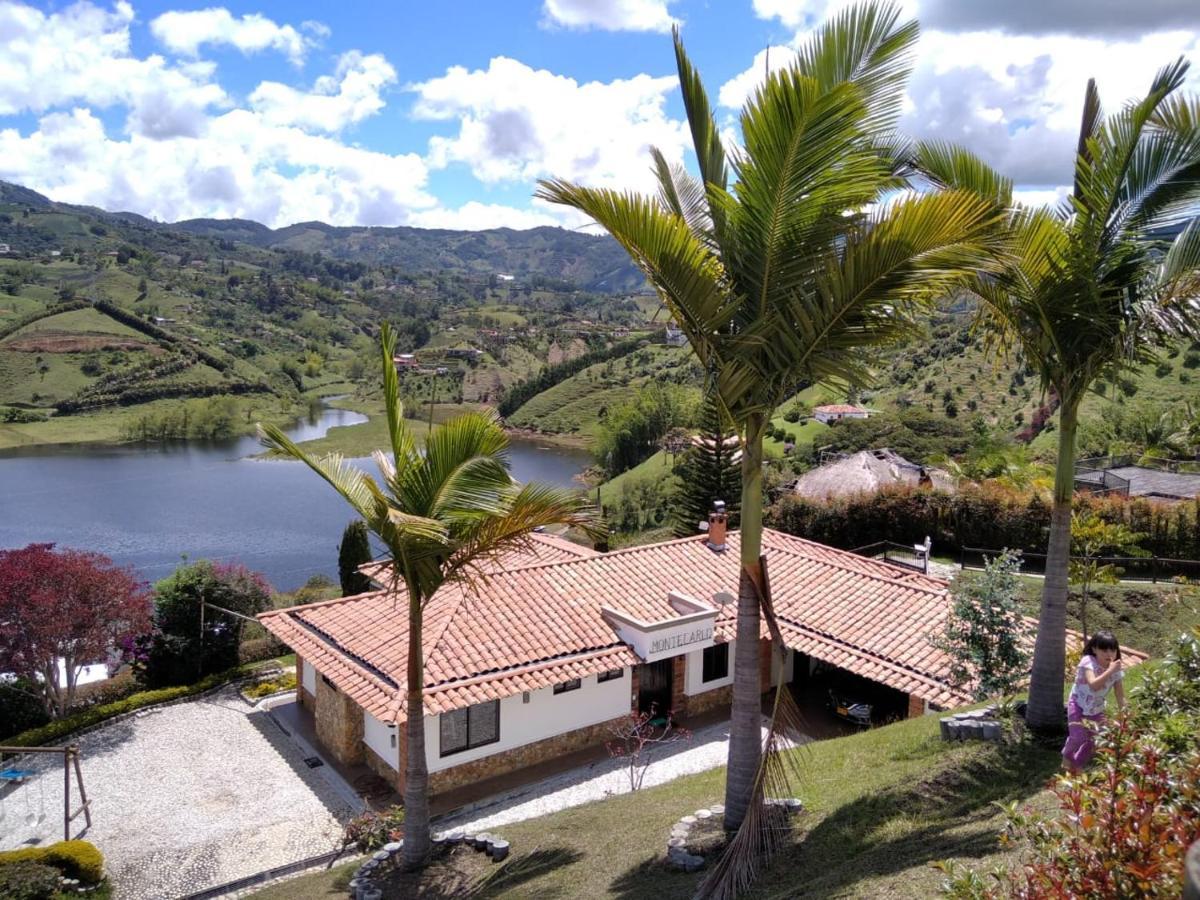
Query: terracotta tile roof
<point x="842" y="408"/>
<point x="535" y="625"/>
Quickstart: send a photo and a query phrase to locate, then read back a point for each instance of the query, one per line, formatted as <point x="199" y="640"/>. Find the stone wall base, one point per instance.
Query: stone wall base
<point x="380" y="767"/>
<point x="916" y="706"/>
<point x="339" y="722"/>
<point x="698" y="704"/>
<point x="521" y="757"/>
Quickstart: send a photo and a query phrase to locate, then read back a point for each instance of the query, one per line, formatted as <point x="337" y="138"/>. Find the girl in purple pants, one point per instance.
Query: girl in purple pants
<point x="1098" y="671"/>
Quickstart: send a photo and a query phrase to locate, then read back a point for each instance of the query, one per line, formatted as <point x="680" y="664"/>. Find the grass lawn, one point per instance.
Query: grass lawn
<point x="365" y="438"/>
<point x="880" y="806"/>
<point x="658" y="467"/>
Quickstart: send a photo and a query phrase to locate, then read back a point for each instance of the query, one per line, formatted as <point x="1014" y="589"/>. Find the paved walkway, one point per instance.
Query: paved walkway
<point x="708" y="749"/>
<point x="186" y="797"/>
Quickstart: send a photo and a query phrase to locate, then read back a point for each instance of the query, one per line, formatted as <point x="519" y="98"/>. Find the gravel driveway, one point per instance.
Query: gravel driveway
<point x="186" y="797"/>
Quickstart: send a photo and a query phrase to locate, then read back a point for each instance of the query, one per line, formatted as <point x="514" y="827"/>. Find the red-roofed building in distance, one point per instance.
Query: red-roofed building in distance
<point x="542" y="651"/>
<point x="834" y="411"/>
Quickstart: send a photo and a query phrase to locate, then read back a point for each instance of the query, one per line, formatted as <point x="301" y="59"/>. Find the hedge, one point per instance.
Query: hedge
<point x="59" y="729"/>
<point x="988" y="517"/>
<point x="75" y="859"/>
<point x="525" y="390"/>
<point x="17" y="324"/>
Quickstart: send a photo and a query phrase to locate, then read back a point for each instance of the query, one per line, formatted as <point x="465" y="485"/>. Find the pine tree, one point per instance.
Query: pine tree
<point x="353" y="551"/>
<point x="708" y="470"/>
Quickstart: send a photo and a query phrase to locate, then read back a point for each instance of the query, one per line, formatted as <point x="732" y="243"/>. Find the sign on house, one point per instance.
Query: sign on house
<point x="687" y="625"/>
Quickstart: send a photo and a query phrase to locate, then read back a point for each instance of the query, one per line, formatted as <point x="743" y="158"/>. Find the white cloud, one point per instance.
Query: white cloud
<point x="1044" y="197"/>
<point x="792" y="13"/>
<point x="186" y="32"/>
<point x="518" y="124"/>
<point x="351" y="94"/>
<point x="82" y="55"/>
<point x="242" y="167"/>
<point x="610" y="15"/>
<point x="736" y="90"/>
<point x="1085" y="17"/>
<point x="1013" y="99"/>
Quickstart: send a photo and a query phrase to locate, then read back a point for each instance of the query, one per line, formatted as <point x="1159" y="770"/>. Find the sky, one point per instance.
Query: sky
<point x="444" y="113"/>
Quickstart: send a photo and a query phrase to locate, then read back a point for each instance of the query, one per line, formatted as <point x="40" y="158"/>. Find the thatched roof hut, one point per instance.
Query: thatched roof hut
<point x="867" y="472"/>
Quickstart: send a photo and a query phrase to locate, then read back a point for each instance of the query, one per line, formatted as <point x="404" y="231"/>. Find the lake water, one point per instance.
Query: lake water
<point x="147" y="505"/>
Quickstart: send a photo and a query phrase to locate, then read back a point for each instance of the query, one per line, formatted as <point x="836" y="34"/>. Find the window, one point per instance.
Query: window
<point x="610" y="675"/>
<point x="573" y="685"/>
<point x="716" y="662"/>
<point x="466" y="729"/>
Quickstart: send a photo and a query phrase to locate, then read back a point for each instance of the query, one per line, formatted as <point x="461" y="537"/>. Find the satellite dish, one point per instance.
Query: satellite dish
<point x="724" y="597"/>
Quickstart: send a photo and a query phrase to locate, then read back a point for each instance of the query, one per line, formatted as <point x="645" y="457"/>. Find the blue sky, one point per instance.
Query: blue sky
<point x="444" y="114"/>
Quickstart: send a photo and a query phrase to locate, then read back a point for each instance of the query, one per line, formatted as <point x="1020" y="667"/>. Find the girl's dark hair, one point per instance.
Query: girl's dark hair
<point x="1102" y="640"/>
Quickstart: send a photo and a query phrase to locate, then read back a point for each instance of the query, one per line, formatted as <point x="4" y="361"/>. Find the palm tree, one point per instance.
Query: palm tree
<point x="440" y="511"/>
<point x="1095" y="285"/>
<point x="815" y="256"/>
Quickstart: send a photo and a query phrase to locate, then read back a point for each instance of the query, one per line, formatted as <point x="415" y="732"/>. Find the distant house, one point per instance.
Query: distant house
<point x="405" y="361"/>
<point x="835" y="411"/>
<point x="463" y="353"/>
<point x="868" y="472"/>
<point x="56" y="253"/>
<point x="4" y="248"/>
<point x="674" y="337"/>
<point x="160" y="320"/>
<point x="502" y="277"/>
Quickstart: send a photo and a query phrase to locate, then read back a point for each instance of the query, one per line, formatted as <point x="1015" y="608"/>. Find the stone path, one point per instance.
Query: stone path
<point x="708" y="749"/>
<point x="186" y="797"/>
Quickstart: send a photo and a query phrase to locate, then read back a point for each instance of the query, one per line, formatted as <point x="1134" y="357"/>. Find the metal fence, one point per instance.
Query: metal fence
<point x="898" y="554"/>
<point x="1152" y="569"/>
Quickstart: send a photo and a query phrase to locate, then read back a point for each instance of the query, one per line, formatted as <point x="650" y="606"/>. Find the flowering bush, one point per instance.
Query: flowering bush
<point x="372" y="830"/>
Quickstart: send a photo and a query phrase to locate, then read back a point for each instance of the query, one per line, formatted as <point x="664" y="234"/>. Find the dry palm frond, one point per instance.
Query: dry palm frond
<point x="766" y="828"/>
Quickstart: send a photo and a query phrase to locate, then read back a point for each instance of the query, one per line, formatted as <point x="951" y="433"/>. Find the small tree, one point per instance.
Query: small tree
<point x="709" y="470"/>
<point x="354" y="550"/>
<point x="1090" y="536"/>
<point x="986" y="636"/>
<point x="636" y="738"/>
<point x="68" y="606"/>
<point x="177" y="652"/>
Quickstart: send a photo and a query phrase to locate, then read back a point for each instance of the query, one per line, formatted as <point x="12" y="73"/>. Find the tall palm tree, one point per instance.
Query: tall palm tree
<point x="816" y="255"/>
<point x="440" y="511"/>
<point x="1095" y="285"/>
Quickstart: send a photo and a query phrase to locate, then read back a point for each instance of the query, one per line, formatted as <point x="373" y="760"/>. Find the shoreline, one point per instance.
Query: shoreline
<point x="530" y="436"/>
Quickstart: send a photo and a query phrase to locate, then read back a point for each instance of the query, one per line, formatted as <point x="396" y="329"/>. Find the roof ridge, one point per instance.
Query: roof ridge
<point x="284" y="610"/>
<point x="901" y="574"/>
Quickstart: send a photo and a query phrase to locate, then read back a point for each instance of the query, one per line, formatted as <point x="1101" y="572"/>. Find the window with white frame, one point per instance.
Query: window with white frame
<point x="716" y="663"/>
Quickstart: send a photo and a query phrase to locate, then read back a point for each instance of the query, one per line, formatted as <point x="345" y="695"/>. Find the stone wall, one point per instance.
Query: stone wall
<point x="339" y="722"/>
<point x="376" y="764"/>
<point x="916" y="706"/>
<point x="698" y="704"/>
<point x="680" y="707"/>
<point x="522" y="757"/>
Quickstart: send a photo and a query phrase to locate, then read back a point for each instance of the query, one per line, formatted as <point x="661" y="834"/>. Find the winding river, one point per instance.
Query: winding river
<point x="149" y="505"/>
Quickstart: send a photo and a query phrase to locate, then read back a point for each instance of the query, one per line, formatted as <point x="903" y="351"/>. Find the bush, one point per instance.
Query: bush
<point x="258" y="649"/>
<point x="56" y="731"/>
<point x="28" y="880"/>
<point x="21" y="707"/>
<point x="74" y="859"/>
<point x="372" y="830"/>
<point x="792" y="415"/>
<point x="285" y="682"/>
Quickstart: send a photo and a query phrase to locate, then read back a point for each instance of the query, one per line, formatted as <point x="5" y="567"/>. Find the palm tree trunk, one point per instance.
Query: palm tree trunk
<point x="745" y="733"/>
<point x="1046" y="713"/>
<point x="416" y="769"/>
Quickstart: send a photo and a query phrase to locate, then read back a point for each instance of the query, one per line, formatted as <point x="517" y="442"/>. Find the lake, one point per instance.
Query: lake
<point x="148" y="505"/>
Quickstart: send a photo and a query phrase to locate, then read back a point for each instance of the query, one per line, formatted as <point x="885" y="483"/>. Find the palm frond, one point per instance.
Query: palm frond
<point x="706" y="138"/>
<point x="399" y="436"/>
<point x="951" y="166"/>
<point x="351" y="482"/>
<point x="682" y="195"/>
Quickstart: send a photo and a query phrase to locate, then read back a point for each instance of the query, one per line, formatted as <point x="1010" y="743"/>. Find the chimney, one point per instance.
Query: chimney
<point x="717" y="521"/>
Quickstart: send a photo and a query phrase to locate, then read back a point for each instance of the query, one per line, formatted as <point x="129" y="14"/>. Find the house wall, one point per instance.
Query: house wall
<point x="339" y="722"/>
<point x="308" y="675"/>
<point x="695" y="671"/>
<point x="546" y="715"/>
<point x="378" y="738"/>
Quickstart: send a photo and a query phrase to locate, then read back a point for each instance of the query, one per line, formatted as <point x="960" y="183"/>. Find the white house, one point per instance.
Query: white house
<point x="547" y="649"/>
<point x="833" y="412"/>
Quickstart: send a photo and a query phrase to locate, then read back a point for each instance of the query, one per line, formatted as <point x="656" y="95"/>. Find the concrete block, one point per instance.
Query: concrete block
<point x="990" y="730"/>
<point x="498" y="850"/>
<point x="703" y="814"/>
<point x="944" y="723"/>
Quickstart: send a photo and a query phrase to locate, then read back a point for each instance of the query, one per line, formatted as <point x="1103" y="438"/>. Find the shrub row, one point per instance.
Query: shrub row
<point x="523" y="391"/>
<point x="56" y="731"/>
<point x="75" y="859"/>
<point x="145" y="393"/>
<point x="17" y="324"/>
<point x="137" y="323"/>
<point x="987" y="517"/>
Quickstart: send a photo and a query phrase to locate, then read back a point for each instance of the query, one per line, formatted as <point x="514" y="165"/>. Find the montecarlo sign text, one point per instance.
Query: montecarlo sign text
<point x="680" y="640"/>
